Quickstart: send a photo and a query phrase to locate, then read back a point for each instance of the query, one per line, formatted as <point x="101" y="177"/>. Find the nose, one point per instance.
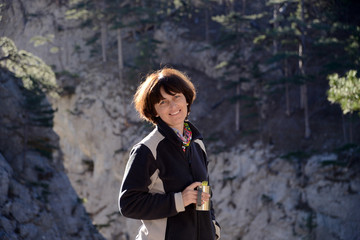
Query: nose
<point x="172" y="104"/>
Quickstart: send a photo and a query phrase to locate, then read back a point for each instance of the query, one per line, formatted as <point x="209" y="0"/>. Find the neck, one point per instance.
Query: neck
<point x="180" y="128"/>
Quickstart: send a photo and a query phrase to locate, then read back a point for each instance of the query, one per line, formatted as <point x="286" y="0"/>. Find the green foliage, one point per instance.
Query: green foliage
<point x="345" y="91"/>
<point x="81" y="10"/>
<point x="38" y="79"/>
<point x="40" y="112"/>
<point x="311" y="221"/>
<point x="347" y="153"/>
<point x="342" y="40"/>
<point x="82" y="200"/>
<point x="138" y="17"/>
<point x="2" y="7"/>
<point x="31" y="69"/>
<point x="348" y="148"/>
<point x="41" y="40"/>
<point x="334" y="163"/>
<point x="42" y="146"/>
<point x="147" y="55"/>
<point x="296" y="156"/>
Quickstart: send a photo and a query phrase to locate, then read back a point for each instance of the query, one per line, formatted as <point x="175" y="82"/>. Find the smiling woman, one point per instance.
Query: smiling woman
<point x="172" y="109"/>
<point x="149" y="93"/>
<point x="166" y="167"/>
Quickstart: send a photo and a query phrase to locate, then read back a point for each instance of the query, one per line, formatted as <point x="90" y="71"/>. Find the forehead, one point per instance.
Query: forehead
<point x="167" y="94"/>
<point x="166" y="87"/>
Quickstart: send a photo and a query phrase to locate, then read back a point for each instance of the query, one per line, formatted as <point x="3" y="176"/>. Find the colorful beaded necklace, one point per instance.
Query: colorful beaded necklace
<point x="186" y="137"/>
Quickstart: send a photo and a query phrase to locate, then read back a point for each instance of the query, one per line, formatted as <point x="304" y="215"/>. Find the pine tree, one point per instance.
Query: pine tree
<point x="287" y="34"/>
<point x="346" y="92"/>
<point x="302" y="53"/>
<point x="235" y="34"/>
<point x="91" y="14"/>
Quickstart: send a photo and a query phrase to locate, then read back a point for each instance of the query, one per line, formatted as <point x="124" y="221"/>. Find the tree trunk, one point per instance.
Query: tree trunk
<point x="303" y="94"/>
<point x="103" y="40"/>
<point x="287" y="96"/>
<point x="120" y="56"/>
<point x="351" y="128"/>
<point x="238" y="86"/>
<point x="103" y="30"/>
<point x="276" y="25"/>
<point x="121" y="77"/>
<point x="306" y="113"/>
<point x="230" y="4"/>
<point x="237" y="108"/>
<point x="275" y="51"/>
<point x="207" y="35"/>
<point x="344" y="127"/>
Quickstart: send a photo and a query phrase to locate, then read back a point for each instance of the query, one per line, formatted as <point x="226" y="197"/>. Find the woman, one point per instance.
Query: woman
<point x="166" y="167"/>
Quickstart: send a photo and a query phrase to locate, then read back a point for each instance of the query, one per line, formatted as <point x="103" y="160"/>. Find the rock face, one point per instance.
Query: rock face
<point x="37" y="200"/>
<point x="260" y="196"/>
<point x="256" y="194"/>
<point x="95" y="138"/>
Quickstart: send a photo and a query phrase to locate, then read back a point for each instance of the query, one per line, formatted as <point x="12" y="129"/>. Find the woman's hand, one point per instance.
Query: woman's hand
<point x="189" y="195"/>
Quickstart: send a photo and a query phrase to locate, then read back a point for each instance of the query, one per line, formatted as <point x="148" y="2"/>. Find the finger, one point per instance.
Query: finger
<point x="205" y="196"/>
<point x="191" y="194"/>
<point x="194" y="185"/>
<point x="190" y="191"/>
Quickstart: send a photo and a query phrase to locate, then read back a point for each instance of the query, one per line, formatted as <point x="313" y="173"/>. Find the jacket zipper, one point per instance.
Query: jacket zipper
<point x="188" y="159"/>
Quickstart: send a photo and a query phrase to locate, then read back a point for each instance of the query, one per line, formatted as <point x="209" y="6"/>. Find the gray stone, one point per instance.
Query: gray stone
<point x="22" y="211"/>
<point x="19" y="190"/>
<point x="5" y="175"/>
<point x="8" y="236"/>
<point x="28" y="231"/>
<point x="6" y="225"/>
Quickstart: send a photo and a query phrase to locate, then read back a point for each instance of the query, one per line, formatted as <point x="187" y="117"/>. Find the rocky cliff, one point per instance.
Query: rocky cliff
<point x="258" y="193"/>
<point x="37" y="200"/>
<point x="261" y="196"/>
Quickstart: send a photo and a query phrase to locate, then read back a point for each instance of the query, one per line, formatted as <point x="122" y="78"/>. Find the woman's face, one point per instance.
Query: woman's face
<point x="172" y="109"/>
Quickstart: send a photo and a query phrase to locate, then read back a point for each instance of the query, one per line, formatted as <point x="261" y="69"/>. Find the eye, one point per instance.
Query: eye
<point x="162" y="102"/>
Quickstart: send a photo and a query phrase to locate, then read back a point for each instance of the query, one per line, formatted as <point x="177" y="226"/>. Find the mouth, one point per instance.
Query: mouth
<point x="174" y="113"/>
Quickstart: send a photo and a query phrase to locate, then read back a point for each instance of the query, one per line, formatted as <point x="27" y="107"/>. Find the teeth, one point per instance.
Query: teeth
<point x="175" y="113"/>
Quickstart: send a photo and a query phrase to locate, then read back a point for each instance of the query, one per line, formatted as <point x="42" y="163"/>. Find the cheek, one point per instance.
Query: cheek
<point x="156" y="111"/>
<point x="160" y="112"/>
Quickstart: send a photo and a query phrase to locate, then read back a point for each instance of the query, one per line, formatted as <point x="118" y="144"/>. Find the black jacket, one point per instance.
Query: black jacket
<point x="157" y="171"/>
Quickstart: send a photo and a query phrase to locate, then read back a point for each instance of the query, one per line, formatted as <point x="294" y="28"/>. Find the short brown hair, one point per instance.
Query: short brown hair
<point x="148" y="93"/>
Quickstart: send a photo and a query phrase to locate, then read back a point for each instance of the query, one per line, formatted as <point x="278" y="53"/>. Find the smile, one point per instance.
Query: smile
<point x="171" y="114"/>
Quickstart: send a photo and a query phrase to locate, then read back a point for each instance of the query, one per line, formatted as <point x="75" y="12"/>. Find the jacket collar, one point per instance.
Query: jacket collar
<point x="169" y="133"/>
